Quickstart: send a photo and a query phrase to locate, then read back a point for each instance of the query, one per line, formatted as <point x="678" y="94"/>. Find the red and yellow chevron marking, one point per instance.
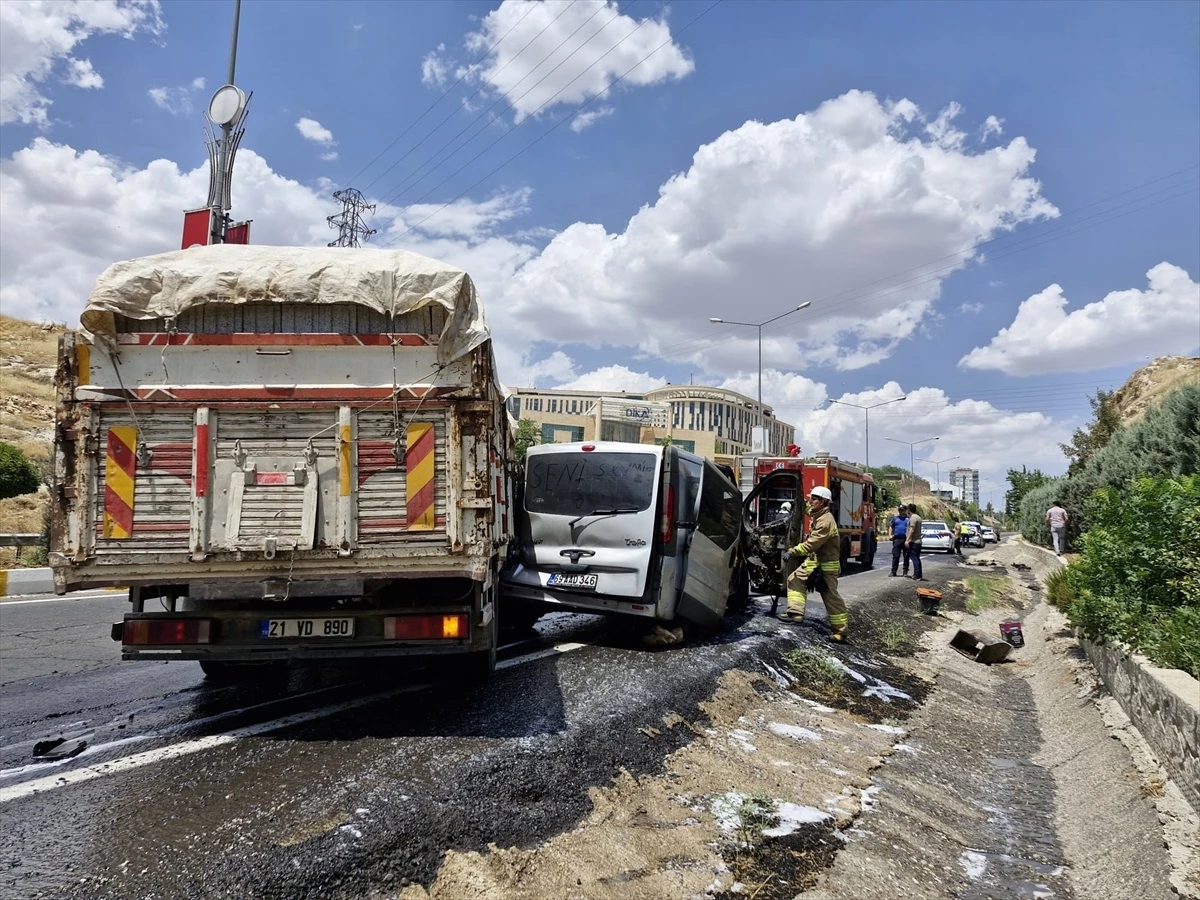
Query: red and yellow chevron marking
<point x="419" y="485"/>
<point x="120" y="467"/>
<point x="344" y="461"/>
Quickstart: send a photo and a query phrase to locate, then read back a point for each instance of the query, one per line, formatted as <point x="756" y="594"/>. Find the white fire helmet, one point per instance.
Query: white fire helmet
<point x="821" y="493"/>
<point x="786" y="506"/>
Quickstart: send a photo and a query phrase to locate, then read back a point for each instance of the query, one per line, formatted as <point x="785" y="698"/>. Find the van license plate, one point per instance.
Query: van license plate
<point x="307" y="628"/>
<point x="573" y="581"/>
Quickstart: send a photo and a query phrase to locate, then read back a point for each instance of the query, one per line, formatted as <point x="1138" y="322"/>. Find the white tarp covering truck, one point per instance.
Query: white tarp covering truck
<point x="284" y="454"/>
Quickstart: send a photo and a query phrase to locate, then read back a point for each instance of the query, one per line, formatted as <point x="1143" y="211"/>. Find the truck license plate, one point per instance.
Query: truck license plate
<point x="573" y="581"/>
<point x="307" y="628"/>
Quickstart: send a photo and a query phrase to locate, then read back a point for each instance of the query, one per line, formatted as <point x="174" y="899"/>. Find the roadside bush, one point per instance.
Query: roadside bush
<point x="1166" y="442"/>
<point x="1138" y="579"/>
<point x="1059" y="592"/>
<point x="17" y="474"/>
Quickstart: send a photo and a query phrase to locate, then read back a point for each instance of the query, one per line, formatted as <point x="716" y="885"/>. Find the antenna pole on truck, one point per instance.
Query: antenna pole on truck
<point x="226" y="110"/>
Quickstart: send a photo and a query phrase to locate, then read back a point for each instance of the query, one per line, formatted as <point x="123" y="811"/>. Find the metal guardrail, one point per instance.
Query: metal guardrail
<point x="20" y="540"/>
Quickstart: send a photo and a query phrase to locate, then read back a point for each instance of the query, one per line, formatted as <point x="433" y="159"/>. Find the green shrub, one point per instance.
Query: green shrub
<point x="1138" y="579"/>
<point x="1166" y="442"/>
<point x="1059" y="592"/>
<point x="17" y="474"/>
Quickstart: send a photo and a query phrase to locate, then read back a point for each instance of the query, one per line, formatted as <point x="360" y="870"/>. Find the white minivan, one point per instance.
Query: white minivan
<point x="633" y="529"/>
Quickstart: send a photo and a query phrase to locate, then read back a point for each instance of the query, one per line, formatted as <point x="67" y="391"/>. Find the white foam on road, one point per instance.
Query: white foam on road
<point x="197" y="745"/>
<point x="792" y="816"/>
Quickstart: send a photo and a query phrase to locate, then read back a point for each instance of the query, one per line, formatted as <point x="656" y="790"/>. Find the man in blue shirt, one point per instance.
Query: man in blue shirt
<point x="898" y="531"/>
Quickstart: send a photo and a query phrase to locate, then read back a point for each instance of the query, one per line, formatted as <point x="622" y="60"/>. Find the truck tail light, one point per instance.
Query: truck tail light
<point x="667" y="525"/>
<point x="444" y="626"/>
<point x="167" y="631"/>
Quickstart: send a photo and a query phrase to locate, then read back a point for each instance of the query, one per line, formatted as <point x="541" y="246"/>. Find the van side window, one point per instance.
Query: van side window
<point x="720" y="508"/>
<point x="691" y="485"/>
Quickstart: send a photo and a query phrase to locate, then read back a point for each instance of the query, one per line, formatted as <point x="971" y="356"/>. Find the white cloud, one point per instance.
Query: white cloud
<point x="613" y="379"/>
<point x="548" y="54"/>
<point x="768" y="214"/>
<point x="36" y="39"/>
<point x="435" y="67"/>
<point x="590" y="117"/>
<point x="467" y="218"/>
<point x="992" y="127"/>
<point x="177" y="100"/>
<point x="982" y="435"/>
<point x="59" y="234"/>
<point x="80" y="74"/>
<point x="312" y="130"/>
<point x="1125" y="327"/>
<point x="971" y="308"/>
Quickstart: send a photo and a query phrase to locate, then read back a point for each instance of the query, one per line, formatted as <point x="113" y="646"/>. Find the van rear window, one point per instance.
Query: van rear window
<point x="572" y="484"/>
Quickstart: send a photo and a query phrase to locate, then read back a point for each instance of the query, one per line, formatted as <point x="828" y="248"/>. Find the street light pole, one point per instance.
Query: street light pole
<point x="759" y="325"/>
<point x="938" y="468"/>
<point x="867" y="421"/>
<point x="912" y="492"/>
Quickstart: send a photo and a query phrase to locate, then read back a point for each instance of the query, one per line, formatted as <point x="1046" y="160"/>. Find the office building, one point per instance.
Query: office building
<point x="708" y="421"/>
<point x="967" y="483"/>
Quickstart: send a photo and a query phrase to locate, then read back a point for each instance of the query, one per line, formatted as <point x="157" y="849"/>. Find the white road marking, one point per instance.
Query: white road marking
<point x="540" y="654"/>
<point x="95" y="596"/>
<point x="197" y="745"/>
<point x="180" y="728"/>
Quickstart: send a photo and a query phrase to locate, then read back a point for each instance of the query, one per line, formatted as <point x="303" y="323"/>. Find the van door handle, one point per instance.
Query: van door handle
<point x="261" y="352"/>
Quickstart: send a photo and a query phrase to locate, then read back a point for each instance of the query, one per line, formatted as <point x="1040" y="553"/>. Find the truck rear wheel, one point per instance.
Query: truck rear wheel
<point x="480" y="665"/>
<point x="242" y="672"/>
<point x="867" y="560"/>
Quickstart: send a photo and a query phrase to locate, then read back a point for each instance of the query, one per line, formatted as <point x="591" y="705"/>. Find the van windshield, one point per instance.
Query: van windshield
<point x="572" y="484"/>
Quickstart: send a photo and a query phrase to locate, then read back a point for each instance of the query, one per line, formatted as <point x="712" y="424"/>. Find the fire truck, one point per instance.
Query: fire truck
<point x="777" y="486"/>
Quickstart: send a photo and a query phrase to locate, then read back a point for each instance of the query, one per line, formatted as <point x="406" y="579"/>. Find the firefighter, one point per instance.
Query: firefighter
<point x="820" y="553"/>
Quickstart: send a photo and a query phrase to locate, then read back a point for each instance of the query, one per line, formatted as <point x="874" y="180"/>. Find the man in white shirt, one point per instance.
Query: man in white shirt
<point x="1057" y="518"/>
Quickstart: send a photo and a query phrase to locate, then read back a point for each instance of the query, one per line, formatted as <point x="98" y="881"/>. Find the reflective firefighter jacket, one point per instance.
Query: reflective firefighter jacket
<point x="822" y="547"/>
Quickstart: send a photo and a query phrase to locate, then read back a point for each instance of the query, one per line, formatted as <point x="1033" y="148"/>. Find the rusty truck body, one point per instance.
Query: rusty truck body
<point x="284" y="454"/>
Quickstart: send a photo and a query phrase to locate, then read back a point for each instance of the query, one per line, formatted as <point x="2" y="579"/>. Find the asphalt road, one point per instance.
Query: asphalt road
<point x="343" y="780"/>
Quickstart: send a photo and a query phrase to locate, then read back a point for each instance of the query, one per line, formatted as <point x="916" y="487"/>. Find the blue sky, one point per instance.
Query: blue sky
<point x="1105" y="99"/>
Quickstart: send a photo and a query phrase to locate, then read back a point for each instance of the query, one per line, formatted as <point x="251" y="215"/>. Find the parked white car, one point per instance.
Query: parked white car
<point x="936" y="536"/>
<point x="990" y="536"/>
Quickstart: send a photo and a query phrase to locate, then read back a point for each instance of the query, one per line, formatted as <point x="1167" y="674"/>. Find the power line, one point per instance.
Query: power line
<point x="466" y="71"/>
<point x="408" y="181"/>
<point x="1046" y="237"/>
<point x="437" y="127"/>
<point x="1060" y="224"/>
<point x="543" y="135"/>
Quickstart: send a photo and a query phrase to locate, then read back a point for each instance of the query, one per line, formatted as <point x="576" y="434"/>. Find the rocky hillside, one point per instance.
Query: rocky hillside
<point x="27" y="358"/>
<point x="1151" y="383"/>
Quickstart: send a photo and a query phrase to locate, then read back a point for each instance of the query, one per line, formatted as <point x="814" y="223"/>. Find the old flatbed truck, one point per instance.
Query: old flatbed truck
<point x="284" y="454"/>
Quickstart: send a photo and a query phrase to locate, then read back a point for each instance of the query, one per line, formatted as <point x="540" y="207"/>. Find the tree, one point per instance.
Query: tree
<point x="17" y="474"/>
<point x="1022" y="483"/>
<point x="1086" y="441"/>
<point x="528" y="435"/>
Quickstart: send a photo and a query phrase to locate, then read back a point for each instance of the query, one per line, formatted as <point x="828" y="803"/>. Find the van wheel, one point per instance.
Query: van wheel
<point x="739" y="589"/>
<point x="520" y="617"/>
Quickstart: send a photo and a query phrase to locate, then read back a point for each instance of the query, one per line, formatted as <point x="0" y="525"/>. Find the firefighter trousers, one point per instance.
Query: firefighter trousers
<point x="835" y="606"/>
